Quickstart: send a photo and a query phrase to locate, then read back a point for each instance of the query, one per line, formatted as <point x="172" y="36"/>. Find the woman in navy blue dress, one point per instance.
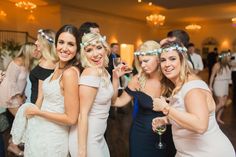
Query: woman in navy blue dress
<point x="143" y="87"/>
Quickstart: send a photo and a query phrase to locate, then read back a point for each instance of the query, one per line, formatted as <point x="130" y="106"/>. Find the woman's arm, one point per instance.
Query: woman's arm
<point x="125" y="98"/>
<point x="87" y="96"/>
<point x="71" y="101"/>
<point x="213" y="74"/>
<point x="196" y="116"/>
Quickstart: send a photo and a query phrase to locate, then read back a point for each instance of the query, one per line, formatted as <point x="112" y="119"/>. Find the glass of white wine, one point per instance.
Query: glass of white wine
<point x="160" y="129"/>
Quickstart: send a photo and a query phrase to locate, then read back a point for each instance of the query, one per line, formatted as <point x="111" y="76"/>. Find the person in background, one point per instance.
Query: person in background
<point x="115" y="50"/>
<point x="211" y="60"/>
<point x="46" y="48"/>
<point x="191" y="107"/>
<point x="143" y="87"/>
<point x="13" y="85"/>
<point x="57" y="105"/>
<point x="233" y="68"/>
<point x="88" y="27"/>
<point x="196" y="58"/>
<point x="219" y="83"/>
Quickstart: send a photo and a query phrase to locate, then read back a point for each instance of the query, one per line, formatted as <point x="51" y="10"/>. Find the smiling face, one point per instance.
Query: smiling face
<point x="66" y="47"/>
<point x="170" y="65"/>
<point x="95" y="54"/>
<point x="149" y="64"/>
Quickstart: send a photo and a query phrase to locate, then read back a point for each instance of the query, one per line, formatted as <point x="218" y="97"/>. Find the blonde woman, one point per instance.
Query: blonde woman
<point x="143" y="87"/>
<point x="219" y="83"/>
<point x="13" y="84"/>
<point x="47" y="61"/>
<point x="191" y="109"/>
<point x="95" y="93"/>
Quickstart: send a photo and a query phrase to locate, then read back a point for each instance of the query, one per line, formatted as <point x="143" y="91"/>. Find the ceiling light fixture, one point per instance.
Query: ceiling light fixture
<point x="155" y="19"/>
<point x="27" y="5"/>
<point x="193" y="27"/>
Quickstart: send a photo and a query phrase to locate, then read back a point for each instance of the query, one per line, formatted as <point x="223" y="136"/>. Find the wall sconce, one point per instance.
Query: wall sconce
<point x="3" y="13"/>
<point x="234" y="22"/>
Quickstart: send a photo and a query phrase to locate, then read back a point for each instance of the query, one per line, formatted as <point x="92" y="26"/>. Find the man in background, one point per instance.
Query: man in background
<point x="211" y="60"/>
<point x="196" y="58"/>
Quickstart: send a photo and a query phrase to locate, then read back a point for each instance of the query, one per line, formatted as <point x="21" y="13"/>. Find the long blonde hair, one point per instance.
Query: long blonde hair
<point x="168" y="87"/>
<point x="48" y="46"/>
<point x="25" y="53"/>
<point x="149" y="45"/>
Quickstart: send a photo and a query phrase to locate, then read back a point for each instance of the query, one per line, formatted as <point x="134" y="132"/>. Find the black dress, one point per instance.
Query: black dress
<point x="142" y="138"/>
<point x="38" y="73"/>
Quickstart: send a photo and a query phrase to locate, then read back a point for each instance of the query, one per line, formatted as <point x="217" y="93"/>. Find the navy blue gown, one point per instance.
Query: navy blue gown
<point x="142" y="138"/>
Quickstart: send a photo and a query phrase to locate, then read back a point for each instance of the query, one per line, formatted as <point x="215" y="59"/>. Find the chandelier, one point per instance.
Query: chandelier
<point x="234" y="22"/>
<point x="193" y="27"/>
<point x="155" y="19"/>
<point x="27" y="5"/>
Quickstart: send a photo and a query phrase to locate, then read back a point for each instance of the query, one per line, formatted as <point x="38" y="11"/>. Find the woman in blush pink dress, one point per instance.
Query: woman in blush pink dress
<point x="191" y="108"/>
<point x="13" y="84"/>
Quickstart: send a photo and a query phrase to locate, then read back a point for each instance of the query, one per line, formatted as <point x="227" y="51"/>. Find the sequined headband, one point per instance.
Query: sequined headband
<point x="147" y="53"/>
<point x="174" y="47"/>
<point x="101" y="39"/>
<point x="49" y="39"/>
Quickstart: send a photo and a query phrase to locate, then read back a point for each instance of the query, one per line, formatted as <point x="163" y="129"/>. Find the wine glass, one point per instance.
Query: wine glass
<point x="160" y="129"/>
<point x="116" y="61"/>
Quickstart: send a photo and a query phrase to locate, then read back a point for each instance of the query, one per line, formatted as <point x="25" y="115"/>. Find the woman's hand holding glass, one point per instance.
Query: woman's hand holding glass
<point x="121" y="70"/>
<point x="159" y="126"/>
<point x="159" y="104"/>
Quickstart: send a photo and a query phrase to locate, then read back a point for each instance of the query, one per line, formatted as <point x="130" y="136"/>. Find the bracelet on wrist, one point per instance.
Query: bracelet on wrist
<point x="166" y="110"/>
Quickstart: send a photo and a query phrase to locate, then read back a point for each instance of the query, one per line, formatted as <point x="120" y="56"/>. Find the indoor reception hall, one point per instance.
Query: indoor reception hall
<point x="117" y="78"/>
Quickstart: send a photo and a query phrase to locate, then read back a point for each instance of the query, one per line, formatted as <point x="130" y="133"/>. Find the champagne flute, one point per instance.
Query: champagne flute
<point x="160" y="129"/>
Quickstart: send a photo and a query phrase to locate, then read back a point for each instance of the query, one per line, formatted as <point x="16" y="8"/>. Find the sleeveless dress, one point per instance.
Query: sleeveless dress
<point x="97" y="119"/>
<point x="36" y="74"/>
<point x="45" y="138"/>
<point x="213" y="143"/>
<point x="142" y="138"/>
<point x="221" y="82"/>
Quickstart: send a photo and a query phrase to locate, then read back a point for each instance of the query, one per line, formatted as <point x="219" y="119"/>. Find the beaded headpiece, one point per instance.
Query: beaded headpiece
<point x="49" y="39"/>
<point x="101" y="39"/>
<point x="147" y="53"/>
<point x="174" y="47"/>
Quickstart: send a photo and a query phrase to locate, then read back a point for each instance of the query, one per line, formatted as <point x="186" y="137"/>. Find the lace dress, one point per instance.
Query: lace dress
<point x="44" y="138"/>
<point x="213" y="143"/>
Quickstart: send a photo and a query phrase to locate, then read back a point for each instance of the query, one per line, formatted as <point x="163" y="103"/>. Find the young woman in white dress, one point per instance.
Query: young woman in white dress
<point x="191" y="109"/>
<point x="58" y="103"/>
<point x="219" y="83"/>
